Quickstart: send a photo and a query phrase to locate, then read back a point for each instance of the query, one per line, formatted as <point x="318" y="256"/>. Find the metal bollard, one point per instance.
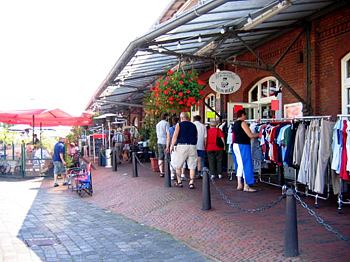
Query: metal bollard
<point x="291" y="232"/>
<point x="206" y="201"/>
<point x="167" y="178"/>
<point x="112" y="160"/>
<point x="115" y="160"/>
<point x="134" y="165"/>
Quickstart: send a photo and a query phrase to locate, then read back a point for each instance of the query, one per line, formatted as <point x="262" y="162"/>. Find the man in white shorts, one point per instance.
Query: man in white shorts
<point x="185" y="140"/>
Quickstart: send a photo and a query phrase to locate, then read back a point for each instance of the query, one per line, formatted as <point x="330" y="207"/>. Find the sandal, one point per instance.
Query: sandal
<point x="249" y="189"/>
<point x="178" y="184"/>
<point x="239" y="188"/>
<point x="161" y="175"/>
<point x="191" y="184"/>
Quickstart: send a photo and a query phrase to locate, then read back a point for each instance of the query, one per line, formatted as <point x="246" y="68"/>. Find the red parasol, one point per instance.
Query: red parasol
<point x="44" y="117"/>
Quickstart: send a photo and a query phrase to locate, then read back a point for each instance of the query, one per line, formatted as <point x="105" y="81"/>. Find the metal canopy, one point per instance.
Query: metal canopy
<point x="209" y="33"/>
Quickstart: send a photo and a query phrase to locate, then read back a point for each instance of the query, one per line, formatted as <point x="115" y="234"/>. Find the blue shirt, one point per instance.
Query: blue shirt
<point x="187" y="133"/>
<point x="171" y="132"/>
<point x="58" y="149"/>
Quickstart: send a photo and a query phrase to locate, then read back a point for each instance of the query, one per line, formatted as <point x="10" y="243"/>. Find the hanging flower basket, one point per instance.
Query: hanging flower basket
<point x="176" y="91"/>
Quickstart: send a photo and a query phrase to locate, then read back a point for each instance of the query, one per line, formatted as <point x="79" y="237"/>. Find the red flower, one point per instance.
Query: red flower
<point x="201" y="93"/>
<point x="188" y="91"/>
<point x="167" y="78"/>
<point x="182" y="76"/>
<point x="165" y="92"/>
<point x="201" y="82"/>
<point x="170" y="72"/>
<point x="181" y="94"/>
<point x="181" y="102"/>
<point x="171" y="98"/>
<point x="165" y="83"/>
<point x="171" y="102"/>
<point x="181" y="82"/>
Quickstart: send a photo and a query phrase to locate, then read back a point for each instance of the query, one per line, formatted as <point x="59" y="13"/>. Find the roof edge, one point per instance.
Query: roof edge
<point x="131" y="50"/>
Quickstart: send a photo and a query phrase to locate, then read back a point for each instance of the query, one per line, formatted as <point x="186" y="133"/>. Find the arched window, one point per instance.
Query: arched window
<point x="345" y="74"/>
<point x="262" y="93"/>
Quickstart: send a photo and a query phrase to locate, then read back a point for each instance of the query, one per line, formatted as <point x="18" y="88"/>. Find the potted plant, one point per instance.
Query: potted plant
<point x="148" y="132"/>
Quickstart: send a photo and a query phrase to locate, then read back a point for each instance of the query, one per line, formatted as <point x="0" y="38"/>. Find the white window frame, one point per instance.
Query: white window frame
<point x="194" y="111"/>
<point x="262" y="100"/>
<point x="345" y="82"/>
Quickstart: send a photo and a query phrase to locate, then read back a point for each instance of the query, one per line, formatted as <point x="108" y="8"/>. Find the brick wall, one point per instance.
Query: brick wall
<point x="332" y="44"/>
<point x="330" y="41"/>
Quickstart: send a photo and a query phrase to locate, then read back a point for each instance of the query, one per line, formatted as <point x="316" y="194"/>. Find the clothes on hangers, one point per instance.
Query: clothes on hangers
<point x="341" y="149"/>
<point x="324" y="154"/>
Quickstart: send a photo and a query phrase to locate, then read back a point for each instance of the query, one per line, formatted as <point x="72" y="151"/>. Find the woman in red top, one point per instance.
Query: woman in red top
<point x="213" y="151"/>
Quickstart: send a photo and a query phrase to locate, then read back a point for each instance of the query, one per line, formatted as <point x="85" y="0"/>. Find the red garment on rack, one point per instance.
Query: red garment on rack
<point x="343" y="173"/>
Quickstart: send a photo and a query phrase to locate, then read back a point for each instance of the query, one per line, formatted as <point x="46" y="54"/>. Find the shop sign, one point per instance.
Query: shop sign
<point x="293" y="110"/>
<point x="210" y="114"/>
<point x="225" y="82"/>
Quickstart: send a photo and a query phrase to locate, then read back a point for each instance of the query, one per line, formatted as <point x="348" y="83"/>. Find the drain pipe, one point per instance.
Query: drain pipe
<point x="132" y="48"/>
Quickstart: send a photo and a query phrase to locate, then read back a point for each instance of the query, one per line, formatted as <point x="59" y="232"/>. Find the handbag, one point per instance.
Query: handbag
<point x="219" y="142"/>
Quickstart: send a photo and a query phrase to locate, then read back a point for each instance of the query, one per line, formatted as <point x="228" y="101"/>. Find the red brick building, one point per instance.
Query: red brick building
<point x="308" y="40"/>
<point x="330" y="65"/>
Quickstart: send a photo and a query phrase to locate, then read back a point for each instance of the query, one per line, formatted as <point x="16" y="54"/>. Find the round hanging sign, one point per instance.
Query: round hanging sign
<point x="225" y="82"/>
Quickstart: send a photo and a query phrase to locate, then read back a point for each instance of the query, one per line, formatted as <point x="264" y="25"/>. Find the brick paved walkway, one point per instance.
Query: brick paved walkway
<point x="223" y="233"/>
<point x="64" y="227"/>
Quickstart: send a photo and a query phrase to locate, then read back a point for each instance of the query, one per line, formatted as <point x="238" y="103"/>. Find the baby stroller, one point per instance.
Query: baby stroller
<point x="80" y="180"/>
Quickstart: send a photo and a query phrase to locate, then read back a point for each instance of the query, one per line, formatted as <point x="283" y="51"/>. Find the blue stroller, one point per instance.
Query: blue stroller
<point x="80" y="180"/>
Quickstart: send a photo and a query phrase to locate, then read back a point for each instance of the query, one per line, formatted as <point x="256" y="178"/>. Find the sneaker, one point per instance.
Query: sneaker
<point x="55" y="185"/>
<point x="220" y="176"/>
<point x="65" y="183"/>
<point x="172" y="177"/>
<point x="212" y="177"/>
<point x="183" y="177"/>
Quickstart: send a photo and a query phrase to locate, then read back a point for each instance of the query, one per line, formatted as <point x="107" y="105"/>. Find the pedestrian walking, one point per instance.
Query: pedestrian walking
<point x="118" y="141"/>
<point x="59" y="163"/>
<point x="201" y="144"/>
<point x="215" y="149"/>
<point x="162" y="128"/>
<point x="170" y="133"/>
<point x="184" y="143"/>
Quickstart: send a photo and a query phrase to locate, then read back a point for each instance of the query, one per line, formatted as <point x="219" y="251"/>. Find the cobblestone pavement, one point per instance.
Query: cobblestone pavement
<point x="224" y="233"/>
<point x="60" y="226"/>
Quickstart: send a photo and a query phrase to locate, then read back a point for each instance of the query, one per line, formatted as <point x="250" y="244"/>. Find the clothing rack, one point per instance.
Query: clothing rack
<point x="312" y="117"/>
<point x="340" y="194"/>
<point x="307" y="192"/>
